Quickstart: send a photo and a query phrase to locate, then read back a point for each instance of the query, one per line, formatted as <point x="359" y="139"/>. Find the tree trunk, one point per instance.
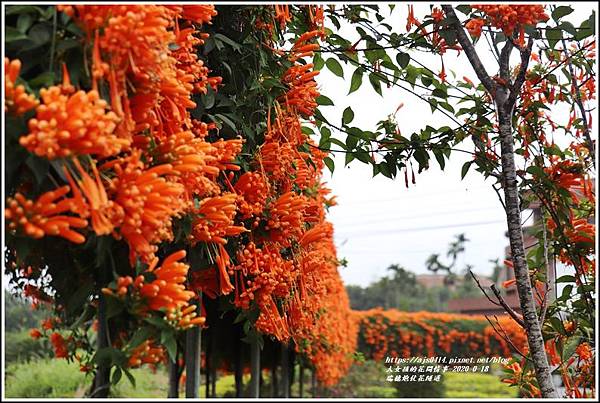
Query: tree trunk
<point x="238" y="374"/>
<point x="285" y="371"/>
<point x="101" y="383"/>
<point x="301" y="381"/>
<point x="274" y="380"/>
<point x="173" y="378"/>
<point x="254" y="390"/>
<point x="292" y="369"/>
<point x="213" y="383"/>
<point x="192" y="362"/>
<point x="313" y="385"/>
<point x="515" y="235"/>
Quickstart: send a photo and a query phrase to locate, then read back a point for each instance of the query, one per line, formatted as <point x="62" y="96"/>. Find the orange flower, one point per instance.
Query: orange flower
<point x="145" y="353"/>
<point x="282" y="14"/>
<point x="167" y="291"/>
<point x="59" y="344"/>
<point x="214" y="219"/>
<point x="35" y="334"/>
<point x="584" y="351"/>
<point x="253" y="191"/>
<point x="286" y="217"/>
<point x="44" y="216"/>
<point x="474" y="26"/>
<point x="508" y="17"/>
<point x="76" y="124"/>
<point x="149" y="201"/>
<point x="16" y="99"/>
<point x="105" y="214"/>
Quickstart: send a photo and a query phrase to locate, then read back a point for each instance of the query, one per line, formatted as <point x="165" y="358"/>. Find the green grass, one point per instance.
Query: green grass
<point x="476" y="385"/>
<point x="48" y="378"/>
<point x="43" y="378"/>
<point x="51" y="378"/>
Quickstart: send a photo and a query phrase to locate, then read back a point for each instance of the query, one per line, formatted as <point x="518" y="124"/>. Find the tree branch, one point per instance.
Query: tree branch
<point x="506" y="307"/>
<point x="469" y="49"/>
<point x="516" y="86"/>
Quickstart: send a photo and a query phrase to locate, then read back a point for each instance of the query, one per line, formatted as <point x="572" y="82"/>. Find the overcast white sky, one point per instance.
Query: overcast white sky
<point x="379" y="222"/>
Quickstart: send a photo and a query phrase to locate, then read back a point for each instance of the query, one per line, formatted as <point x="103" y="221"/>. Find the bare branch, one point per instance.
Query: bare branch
<point x="502" y="333"/>
<point x="507" y="308"/>
<point x="482" y="289"/>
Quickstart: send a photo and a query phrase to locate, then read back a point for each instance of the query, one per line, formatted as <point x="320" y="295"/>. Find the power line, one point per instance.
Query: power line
<point x="418" y="229"/>
<point x="391" y="219"/>
<point x="413" y="196"/>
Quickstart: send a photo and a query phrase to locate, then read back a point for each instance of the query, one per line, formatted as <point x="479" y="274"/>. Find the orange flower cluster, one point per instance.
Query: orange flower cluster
<point x="303" y="88"/>
<point x="76" y="124"/>
<point x="215" y="219"/>
<point x="570" y="176"/>
<point x="162" y="289"/>
<point x="45" y="216"/>
<point x="16" y="99"/>
<point x="509" y="17"/>
<point x="474" y="26"/>
<point x="405" y="334"/>
<point x="60" y="345"/>
<point x="149" y="200"/>
<point x="146" y="353"/>
<point x="525" y="380"/>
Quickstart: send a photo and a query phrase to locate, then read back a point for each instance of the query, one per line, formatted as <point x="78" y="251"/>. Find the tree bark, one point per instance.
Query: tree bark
<point x="101" y="383"/>
<point x="192" y="362"/>
<point x="274" y="379"/>
<point x="515" y="235"/>
<point x="285" y="371"/>
<point x="301" y="381"/>
<point x="173" y="379"/>
<point x="313" y="385"/>
<point x="292" y="369"/>
<point x="254" y="390"/>
<point x="238" y="374"/>
<point x="505" y="97"/>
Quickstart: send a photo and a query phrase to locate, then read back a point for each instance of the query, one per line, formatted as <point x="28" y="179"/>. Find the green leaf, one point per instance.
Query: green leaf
<point x="167" y="339"/>
<point x="565" y="279"/>
<point x="45" y="79"/>
<point x="39" y="167"/>
<point x="560" y="12"/>
<point x="349" y="158"/>
<point x="335" y="67"/>
<point x="347" y="116"/>
<point x="12" y="34"/>
<point x="318" y="62"/>
<point x="439" y="156"/>
<point x="226" y="120"/>
<point x="324" y="101"/>
<point x="24" y="22"/>
<point x="329" y="164"/>
<point x="141" y="335"/>
<point x="116" y="376"/>
<point x="440" y="93"/>
<point x="130" y="377"/>
<point x="374" y="79"/>
<point x="403" y="59"/>
<point x="553" y="35"/>
<point x="356" y="80"/>
<point x="570" y="347"/>
<point x="464" y="8"/>
<point x="465" y="169"/>
<point x="21" y="9"/>
<point x="223" y="38"/>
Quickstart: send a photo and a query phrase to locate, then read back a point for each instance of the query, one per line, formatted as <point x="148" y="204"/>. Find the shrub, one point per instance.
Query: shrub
<point x="20" y="347"/>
